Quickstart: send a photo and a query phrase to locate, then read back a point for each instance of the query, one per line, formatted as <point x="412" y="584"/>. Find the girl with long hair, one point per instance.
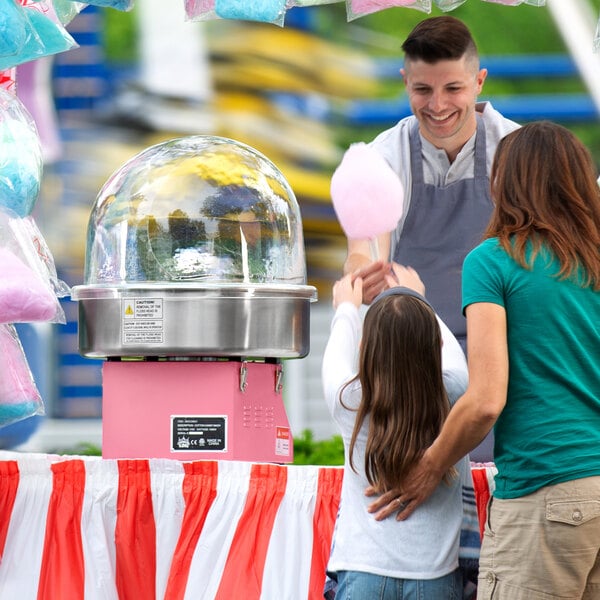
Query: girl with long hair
<point x="389" y="384"/>
<point x="531" y="294"/>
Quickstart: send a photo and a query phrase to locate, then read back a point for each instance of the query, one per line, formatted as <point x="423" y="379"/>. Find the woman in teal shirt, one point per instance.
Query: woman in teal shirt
<point x="531" y="295"/>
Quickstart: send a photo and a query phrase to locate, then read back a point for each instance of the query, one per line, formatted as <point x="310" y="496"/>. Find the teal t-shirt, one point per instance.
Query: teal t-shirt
<point x="549" y="430"/>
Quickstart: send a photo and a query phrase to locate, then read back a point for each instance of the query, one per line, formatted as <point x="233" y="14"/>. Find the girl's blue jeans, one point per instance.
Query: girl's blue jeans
<point x="355" y="585"/>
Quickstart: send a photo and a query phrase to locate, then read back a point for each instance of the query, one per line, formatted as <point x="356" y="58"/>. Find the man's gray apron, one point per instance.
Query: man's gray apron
<point x="442" y="225"/>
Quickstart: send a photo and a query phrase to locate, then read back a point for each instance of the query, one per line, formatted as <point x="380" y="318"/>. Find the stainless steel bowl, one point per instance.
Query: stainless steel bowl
<point x="169" y="320"/>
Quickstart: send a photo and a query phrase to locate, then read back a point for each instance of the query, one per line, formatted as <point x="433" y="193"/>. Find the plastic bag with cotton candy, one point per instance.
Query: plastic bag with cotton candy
<point x="19" y="396"/>
<point x="29" y="31"/>
<point x="266" y="11"/>
<point x="21" y="160"/>
<point x="293" y="3"/>
<point x="360" y="8"/>
<point x="200" y="10"/>
<point x="122" y="5"/>
<point x="14" y="28"/>
<point x="517" y="2"/>
<point x="29" y="285"/>
<point x="447" y="5"/>
<point x="67" y="10"/>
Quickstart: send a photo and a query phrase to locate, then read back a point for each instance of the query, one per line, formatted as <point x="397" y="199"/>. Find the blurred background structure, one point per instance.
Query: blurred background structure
<point x="300" y="94"/>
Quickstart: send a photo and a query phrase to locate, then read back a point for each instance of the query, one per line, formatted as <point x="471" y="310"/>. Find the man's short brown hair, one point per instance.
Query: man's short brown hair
<point x="439" y="38"/>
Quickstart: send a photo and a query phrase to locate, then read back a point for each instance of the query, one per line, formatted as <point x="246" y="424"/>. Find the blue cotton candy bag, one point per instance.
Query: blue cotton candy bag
<point x="19" y="395"/>
<point x="21" y="160"/>
<point x="67" y="10"/>
<point x="14" y="28"/>
<point x="30" y="32"/>
<point x="266" y="11"/>
<point x="122" y="5"/>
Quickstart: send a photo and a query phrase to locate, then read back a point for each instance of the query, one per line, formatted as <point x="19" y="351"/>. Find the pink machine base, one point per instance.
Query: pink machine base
<point x="192" y="410"/>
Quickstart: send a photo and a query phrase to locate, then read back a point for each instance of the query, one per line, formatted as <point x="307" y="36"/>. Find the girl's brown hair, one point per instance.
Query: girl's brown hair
<point x="543" y="183"/>
<point x="403" y="394"/>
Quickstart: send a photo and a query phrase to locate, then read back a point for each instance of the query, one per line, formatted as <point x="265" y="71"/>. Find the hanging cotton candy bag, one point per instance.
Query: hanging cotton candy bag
<point x="19" y="396"/>
<point x="21" y="161"/>
<point x="360" y="8"/>
<point x="29" y="32"/>
<point x="29" y="286"/>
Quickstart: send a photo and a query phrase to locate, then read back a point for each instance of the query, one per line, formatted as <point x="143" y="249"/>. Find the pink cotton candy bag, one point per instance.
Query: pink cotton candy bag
<point x="360" y="8"/>
<point x="24" y="296"/>
<point x="29" y="285"/>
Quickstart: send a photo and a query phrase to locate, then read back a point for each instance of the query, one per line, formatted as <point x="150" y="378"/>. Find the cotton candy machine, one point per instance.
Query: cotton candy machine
<point x="195" y="289"/>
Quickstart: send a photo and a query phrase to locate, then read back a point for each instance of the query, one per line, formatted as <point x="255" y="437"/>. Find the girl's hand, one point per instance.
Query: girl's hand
<point x="348" y="289"/>
<point x="373" y="277"/>
<point x="405" y="277"/>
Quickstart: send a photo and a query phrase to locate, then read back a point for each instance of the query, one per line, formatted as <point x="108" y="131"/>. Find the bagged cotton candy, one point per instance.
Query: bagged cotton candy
<point x="24" y="297"/>
<point x="19" y="396"/>
<point x="29" y="286"/>
<point x="67" y="10"/>
<point x="360" y="8"/>
<point x="21" y="161"/>
<point x="266" y="11"/>
<point x="367" y="195"/>
<point x="293" y="3"/>
<point x="14" y="28"/>
<point x="43" y="33"/>
<point x="34" y="249"/>
<point x="448" y="5"/>
<point x="517" y="2"/>
<point x="200" y="10"/>
<point x="122" y="5"/>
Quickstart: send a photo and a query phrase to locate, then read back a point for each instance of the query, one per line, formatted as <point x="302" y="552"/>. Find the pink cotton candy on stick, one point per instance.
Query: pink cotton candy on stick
<point x="367" y="195"/>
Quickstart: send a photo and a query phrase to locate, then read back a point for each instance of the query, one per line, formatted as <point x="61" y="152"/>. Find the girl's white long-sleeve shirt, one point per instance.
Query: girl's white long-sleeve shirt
<point x="424" y="546"/>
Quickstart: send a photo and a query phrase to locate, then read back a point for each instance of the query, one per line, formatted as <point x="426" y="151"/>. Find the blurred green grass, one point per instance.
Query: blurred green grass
<point x="307" y="450"/>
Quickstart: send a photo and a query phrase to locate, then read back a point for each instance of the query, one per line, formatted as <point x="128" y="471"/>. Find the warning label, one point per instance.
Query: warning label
<point x="142" y="321"/>
<point x="282" y="441"/>
<point x="198" y="433"/>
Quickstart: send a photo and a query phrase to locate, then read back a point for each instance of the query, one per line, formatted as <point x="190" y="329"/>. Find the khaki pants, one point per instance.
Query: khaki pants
<point x="543" y="546"/>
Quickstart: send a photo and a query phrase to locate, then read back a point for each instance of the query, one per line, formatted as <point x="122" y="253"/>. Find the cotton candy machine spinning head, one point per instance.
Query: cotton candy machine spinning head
<point x="195" y="288"/>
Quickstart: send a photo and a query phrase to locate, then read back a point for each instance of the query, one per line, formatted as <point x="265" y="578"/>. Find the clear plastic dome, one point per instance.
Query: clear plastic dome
<point x="199" y="209"/>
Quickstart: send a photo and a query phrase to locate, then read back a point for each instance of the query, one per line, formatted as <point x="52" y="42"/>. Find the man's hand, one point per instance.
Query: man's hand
<point x="417" y="487"/>
<point x="373" y="278"/>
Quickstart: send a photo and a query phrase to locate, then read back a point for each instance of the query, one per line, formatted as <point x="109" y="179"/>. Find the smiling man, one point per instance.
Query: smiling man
<point x="442" y="154"/>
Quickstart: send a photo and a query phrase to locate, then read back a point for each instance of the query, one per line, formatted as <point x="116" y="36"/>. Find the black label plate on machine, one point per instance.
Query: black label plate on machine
<point x="191" y="433"/>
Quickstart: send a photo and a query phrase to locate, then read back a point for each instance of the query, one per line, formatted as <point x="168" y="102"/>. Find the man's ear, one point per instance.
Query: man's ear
<point x="481" y="75"/>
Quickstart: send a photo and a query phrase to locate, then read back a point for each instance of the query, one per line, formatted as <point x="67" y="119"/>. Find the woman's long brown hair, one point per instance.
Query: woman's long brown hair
<point x="543" y="183"/>
<point x="403" y="394"/>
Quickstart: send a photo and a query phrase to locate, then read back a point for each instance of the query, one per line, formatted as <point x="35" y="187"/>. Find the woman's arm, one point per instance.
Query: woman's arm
<point x="454" y="364"/>
<point x="470" y="419"/>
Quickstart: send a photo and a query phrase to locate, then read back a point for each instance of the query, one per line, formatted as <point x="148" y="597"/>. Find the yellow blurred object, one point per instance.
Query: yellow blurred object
<point x="259" y="57"/>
